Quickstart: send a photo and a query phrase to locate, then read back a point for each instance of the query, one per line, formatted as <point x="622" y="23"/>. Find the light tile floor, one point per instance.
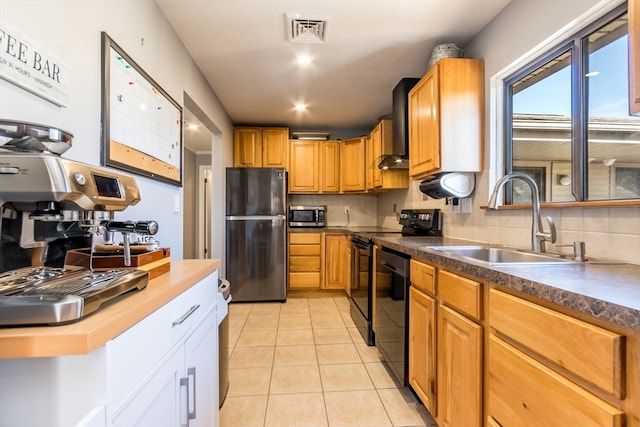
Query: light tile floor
<point x="303" y="363"/>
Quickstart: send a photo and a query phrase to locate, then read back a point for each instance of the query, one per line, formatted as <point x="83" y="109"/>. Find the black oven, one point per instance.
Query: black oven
<point x="361" y="295"/>
<point x="392" y="311"/>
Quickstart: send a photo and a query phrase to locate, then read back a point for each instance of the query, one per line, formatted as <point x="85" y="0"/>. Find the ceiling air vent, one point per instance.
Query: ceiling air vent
<point x="307" y="29"/>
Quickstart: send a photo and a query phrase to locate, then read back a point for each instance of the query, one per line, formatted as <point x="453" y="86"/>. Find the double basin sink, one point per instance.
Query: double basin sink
<point x="499" y="256"/>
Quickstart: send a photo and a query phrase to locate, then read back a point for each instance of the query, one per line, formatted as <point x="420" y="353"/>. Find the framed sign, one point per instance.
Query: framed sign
<point x="141" y="123"/>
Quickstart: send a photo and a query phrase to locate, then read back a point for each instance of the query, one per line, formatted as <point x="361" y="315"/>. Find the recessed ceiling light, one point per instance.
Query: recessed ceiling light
<point x="300" y="106"/>
<point x="193" y="127"/>
<point x="304" y="59"/>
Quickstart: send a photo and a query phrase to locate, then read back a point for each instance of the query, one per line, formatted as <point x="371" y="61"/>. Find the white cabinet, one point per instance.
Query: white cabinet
<point x="178" y="391"/>
<point x="162" y="371"/>
<point x="167" y="373"/>
<point x="157" y="401"/>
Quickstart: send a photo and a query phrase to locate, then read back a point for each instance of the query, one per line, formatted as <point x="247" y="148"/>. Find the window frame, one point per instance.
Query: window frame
<point x="569" y="38"/>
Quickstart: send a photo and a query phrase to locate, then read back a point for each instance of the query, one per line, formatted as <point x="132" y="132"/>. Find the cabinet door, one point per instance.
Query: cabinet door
<point x="353" y="170"/>
<point x="368" y="162"/>
<point x="201" y="371"/>
<point x="634" y="56"/>
<point x="375" y="140"/>
<point x="337" y="267"/>
<point x="247" y="147"/>
<point x="275" y="147"/>
<point x="459" y="370"/>
<point x="424" y="125"/>
<point x="304" y="167"/>
<point x="155" y="402"/>
<point x="422" y="347"/>
<point x="330" y="167"/>
<point x="524" y="392"/>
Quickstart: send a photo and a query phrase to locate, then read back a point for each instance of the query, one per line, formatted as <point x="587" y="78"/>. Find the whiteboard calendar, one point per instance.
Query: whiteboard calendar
<point x="142" y="124"/>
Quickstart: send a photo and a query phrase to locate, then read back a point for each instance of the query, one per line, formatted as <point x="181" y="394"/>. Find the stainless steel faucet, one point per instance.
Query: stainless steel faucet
<point x="538" y="235"/>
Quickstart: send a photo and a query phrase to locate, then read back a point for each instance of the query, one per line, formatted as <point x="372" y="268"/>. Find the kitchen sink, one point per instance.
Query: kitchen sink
<point x="502" y="256"/>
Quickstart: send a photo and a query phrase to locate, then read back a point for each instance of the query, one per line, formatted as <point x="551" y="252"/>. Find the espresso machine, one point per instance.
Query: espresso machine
<point x="46" y="202"/>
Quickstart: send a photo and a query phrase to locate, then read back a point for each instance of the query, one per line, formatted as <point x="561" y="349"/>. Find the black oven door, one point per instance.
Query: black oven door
<point x="361" y="288"/>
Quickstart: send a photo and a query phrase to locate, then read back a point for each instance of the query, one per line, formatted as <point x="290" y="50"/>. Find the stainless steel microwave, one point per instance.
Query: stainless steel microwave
<point x="307" y="216"/>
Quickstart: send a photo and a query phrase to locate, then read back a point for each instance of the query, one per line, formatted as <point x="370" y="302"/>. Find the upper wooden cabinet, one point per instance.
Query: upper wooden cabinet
<point x="314" y="166"/>
<point x="352" y="171"/>
<point x="260" y="147"/>
<point x="379" y="143"/>
<point x="446" y="118"/>
<point x="304" y="166"/>
<point x="634" y="56"/>
<point x="330" y="166"/>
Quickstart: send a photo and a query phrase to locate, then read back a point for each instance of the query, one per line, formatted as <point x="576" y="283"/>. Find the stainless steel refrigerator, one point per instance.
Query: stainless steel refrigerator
<point x="256" y="234"/>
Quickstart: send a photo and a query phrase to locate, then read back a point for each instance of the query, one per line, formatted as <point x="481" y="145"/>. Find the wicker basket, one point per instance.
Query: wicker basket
<point x="445" y="50"/>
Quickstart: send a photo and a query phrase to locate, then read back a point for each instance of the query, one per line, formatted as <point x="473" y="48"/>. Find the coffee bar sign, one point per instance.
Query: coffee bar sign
<point x="31" y="67"/>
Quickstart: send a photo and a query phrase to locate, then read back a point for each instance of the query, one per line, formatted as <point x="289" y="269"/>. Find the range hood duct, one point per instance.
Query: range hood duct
<point x="399" y="158"/>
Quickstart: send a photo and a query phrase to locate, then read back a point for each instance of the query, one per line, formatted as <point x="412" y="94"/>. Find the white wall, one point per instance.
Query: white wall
<point x="611" y="233"/>
<point x="70" y="30"/>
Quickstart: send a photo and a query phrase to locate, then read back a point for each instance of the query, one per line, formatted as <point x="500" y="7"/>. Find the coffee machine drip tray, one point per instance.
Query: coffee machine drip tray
<point x="53" y="296"/>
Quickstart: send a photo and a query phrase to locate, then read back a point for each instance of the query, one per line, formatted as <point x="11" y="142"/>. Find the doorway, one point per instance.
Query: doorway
<point x="203" y="225"/>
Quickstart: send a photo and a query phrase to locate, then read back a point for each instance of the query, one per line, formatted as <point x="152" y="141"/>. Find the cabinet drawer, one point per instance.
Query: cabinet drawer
<point x="423" y="276"/>
<point x="304" y="263"/>
<point x="460" y="293"/>
<point x="523" y="392"/>
<point x="304" y="238"/>
<point x="593" y="353"/>
<point x="141" y="347"/>
<point x="304" y="280"/>
<point x="306" y="250"/>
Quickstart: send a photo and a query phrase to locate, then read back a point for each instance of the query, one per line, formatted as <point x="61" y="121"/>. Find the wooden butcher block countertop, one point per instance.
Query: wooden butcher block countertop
<point x="95" y="330"/>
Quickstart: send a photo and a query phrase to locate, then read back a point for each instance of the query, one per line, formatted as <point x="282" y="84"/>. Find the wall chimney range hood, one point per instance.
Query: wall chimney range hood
<point x="400" y="120"/>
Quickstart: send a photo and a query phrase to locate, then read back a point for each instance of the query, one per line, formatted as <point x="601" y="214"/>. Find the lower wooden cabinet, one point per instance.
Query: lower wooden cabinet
<point x="422" y="347"/>
<point x="304" y="260"/>
<point x="337" y="261"/>
<point x="549" y="368"/>
<point x="524" y="392"/>
<point x="460" y="350"/>
<point x="499" y="359"/>
<point x="319" y="260"/>
<point x="459" y="370"/>
<point x="446" y="345"/>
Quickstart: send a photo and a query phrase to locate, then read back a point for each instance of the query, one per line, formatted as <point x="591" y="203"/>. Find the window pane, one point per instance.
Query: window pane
<point x="613" y="146"/>
<point x="541" y="128"/>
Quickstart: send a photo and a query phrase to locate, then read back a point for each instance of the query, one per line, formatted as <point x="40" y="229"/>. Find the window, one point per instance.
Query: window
<point x="567" y="122"/>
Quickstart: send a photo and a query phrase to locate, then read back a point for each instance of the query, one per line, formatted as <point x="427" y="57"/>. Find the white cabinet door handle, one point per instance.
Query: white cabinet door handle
<point x="184" y="317"/>
<point x="184" y="402"/>
<point x="191" y="374"/>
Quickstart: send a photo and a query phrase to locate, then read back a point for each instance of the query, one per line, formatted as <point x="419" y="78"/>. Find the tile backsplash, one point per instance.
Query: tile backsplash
<point x="362" y="208"/>
<point x="609" y="233"/>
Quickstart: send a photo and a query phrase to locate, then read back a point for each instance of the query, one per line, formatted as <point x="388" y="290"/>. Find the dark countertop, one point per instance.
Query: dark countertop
<point x="609" y="291"/>
<point x="346" y="229"/>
